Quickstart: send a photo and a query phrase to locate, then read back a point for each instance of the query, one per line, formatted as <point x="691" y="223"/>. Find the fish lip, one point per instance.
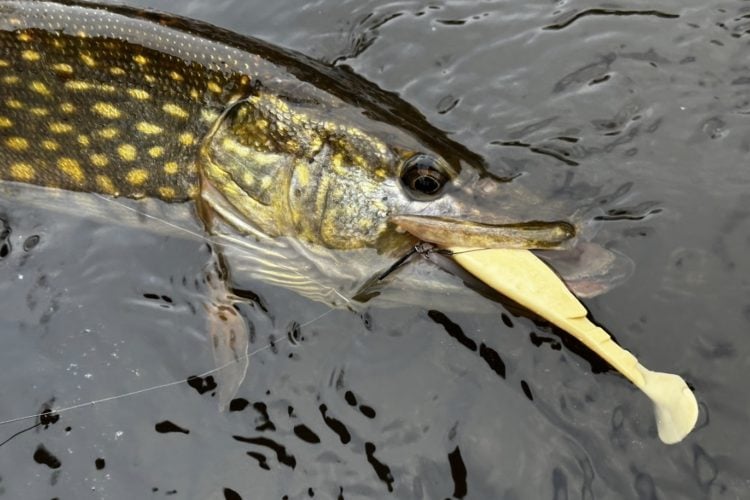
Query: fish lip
<point x="446" y="231"/>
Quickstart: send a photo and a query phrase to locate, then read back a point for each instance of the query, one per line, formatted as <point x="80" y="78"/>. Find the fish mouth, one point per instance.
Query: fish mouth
<point x="447" y="232"/>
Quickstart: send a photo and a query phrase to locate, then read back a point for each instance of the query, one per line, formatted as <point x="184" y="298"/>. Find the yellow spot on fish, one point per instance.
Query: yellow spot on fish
<point x="22" y="172"/>
<point x="4" y="63"/>
<point x="39" y="88"/>
<point x="266" y="182"/>
<point x="192" y="191"/>
<point x="116" y="71"/>
<point x="5" y="122"/>
<point x="78" y="85"/>
<point x="11" y="80"/>
<point x="302" y="174"/>
<point x="278" y="103"/>
<point x="149" y="78"/>
<point x="127" y="152"/>
<point x="13" y="103"/>
<point x="167" y="192"/>
<point x="65" y="69"/>
<point x="156" y="152"/>
<point x="60" y="127"/>
<point x="17" y="143"/>
<point x="194" y="94"/>
<point x="105" y="185"/>
<point x="171" y="168"/>
<point x="137" y="176"/>
<point x="84" y="140"/>
<point x="99" y="160"/>
<point x="186" y="138"/>
<point x="67" y="107"/>
<point x="175" y="110"/>
<point x="232" y="146"/>
<point x="106" y="110"/>
<point x="358" y="160"/>
<point x="139" y="94"/>
<point x="209" y="115"/>
<point x="104" y="87"/>
<point x="109" y="133"/>
<point x="214" y="87"/>
<point x="248" y="179"/>
<point x="337" y="163"/>
<point x="292" y="146"/>
<point x="81" y="34"/>
<point x="30" y="55"/>
<point x="176" y="76"/>
<point x="88" y="60"/>
<point x="71" y="168"/>
<point x="24" y="37"/>
<point x="39" y="111"/>
<point x="50" y="145"/>
<point x="148" y="128"/>
<point x="140" y="59"/>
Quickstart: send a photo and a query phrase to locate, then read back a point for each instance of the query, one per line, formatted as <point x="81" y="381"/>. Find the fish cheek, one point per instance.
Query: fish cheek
<point x="349" y="220"/>
<point x="356" y="214"/>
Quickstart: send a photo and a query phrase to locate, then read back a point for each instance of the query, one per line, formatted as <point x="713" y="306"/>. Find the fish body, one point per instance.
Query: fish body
<point x="316" y="184"/>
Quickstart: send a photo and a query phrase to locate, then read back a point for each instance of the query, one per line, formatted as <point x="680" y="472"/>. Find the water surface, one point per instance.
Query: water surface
<point x="643" y="110"/>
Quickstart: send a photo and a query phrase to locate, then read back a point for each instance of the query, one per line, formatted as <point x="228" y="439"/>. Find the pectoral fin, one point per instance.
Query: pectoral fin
<point x="229" y="334"/>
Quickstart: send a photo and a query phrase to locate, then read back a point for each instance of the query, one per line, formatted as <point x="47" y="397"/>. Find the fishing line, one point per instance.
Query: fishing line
<point x="16" y="434"/>
<point x="173" y="383"/>
<point x="399" y="262"/>
<point x="453" y="252"/>
<point x="147" y="389"/>
<point x="94" y="402"/>
<point x="417" y="249"/>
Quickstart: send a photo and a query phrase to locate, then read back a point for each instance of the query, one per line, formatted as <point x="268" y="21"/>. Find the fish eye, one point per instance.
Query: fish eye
<point x="422" y="177"/>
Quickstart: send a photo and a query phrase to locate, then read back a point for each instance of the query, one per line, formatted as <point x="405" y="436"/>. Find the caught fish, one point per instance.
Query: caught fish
<point x="305" y="176"/>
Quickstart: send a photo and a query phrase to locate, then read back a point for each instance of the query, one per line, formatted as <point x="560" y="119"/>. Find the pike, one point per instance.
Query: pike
<point x="319" y="179"/>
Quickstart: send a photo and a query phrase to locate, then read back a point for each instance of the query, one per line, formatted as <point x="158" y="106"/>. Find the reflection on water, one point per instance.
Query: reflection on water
<point x="639" y="113"/>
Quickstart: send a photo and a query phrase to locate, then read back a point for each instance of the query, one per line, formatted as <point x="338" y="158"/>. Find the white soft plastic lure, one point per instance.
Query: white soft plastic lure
<point x="523" y="277"/>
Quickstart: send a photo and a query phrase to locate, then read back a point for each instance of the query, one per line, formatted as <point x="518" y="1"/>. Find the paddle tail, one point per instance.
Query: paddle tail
<point x="523" y="277"/>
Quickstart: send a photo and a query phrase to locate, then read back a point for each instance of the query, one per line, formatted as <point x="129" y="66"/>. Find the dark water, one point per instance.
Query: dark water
<point x="647" y="111"/>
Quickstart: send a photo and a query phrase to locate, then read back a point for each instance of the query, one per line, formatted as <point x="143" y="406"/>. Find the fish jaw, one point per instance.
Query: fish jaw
<point x="446" y="232"/>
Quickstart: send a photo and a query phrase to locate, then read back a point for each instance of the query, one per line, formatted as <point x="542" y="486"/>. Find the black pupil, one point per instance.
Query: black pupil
<point x="426" y="184"/>
<point x="421" y="175"/>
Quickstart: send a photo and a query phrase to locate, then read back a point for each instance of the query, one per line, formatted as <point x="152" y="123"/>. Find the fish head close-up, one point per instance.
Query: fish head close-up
<point x="355" y="191"/>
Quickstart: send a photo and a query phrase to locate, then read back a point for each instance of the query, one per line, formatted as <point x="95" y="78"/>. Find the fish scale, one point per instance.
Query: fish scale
<point x="299" y="162"/>
<point x="100" y="114"/>
<point x="104" y="99"/>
